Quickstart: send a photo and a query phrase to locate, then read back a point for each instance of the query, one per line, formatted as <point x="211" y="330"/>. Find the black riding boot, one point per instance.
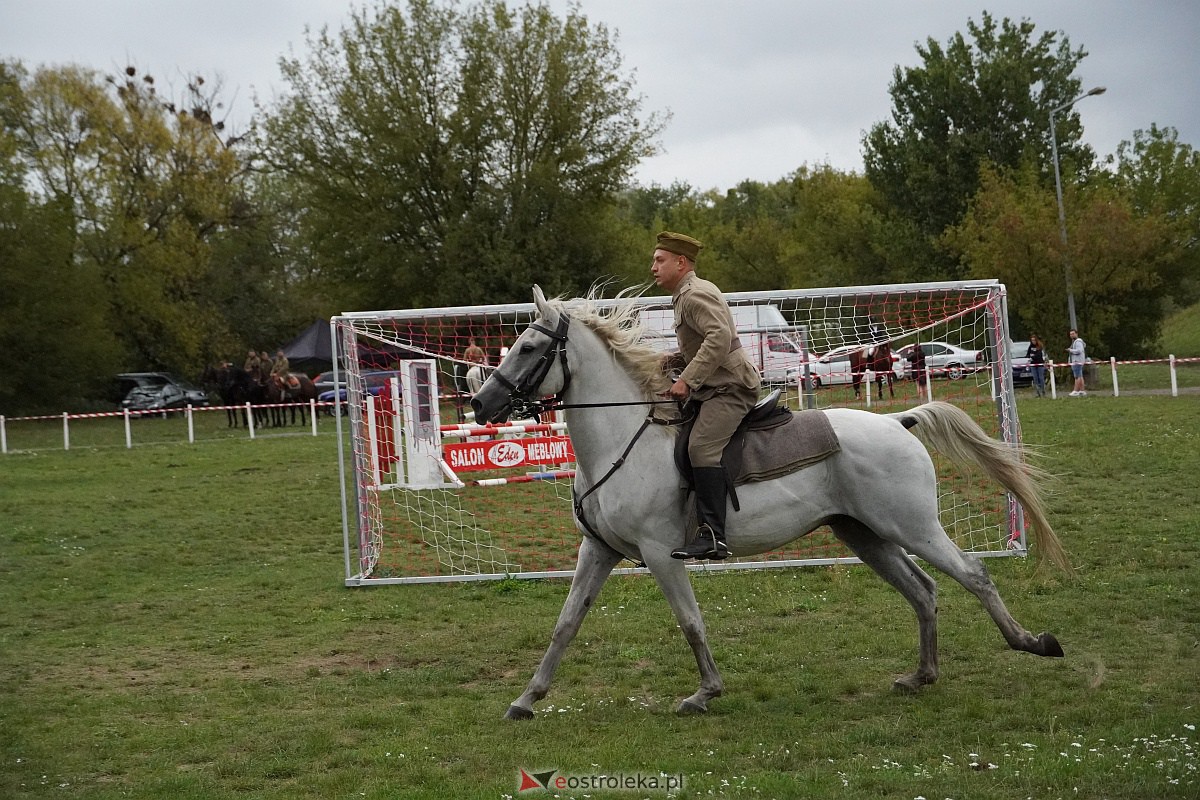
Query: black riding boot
<point x="711" y="497"/>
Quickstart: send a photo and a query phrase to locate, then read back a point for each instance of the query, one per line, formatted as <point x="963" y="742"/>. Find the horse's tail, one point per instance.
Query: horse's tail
<point x="949" y="430"/>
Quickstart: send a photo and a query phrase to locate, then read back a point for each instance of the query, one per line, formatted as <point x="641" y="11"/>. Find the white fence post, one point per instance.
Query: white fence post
<point x="66" y="432"/>
<point x="1174" y="380"/>
<point x="128" y="432"/>
<point x="191" y="426"/>
<point x="1112" y="363"/>
<point x="3" y="436"/>
<point x="250" y="419"/>
<point x="312" y="414"/>
<point x="1050" y="370"/>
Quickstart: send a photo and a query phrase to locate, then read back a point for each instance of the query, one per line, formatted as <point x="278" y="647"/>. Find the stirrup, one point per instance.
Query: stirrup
<point x="720" y="551"/>
<point x="703" y="548"/>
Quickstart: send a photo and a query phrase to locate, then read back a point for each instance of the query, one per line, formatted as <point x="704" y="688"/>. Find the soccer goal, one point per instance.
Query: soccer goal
<point x="430" y="496"/>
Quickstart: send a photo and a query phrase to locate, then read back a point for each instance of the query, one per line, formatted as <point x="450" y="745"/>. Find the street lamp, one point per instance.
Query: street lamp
<point x="1062" y="216"/>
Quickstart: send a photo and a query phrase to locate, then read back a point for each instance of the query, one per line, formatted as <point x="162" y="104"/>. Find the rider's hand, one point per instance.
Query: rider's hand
<point x="679" y="390"/>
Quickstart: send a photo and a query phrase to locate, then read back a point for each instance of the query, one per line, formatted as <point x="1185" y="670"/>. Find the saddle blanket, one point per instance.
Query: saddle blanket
<point x="805" y="439"/>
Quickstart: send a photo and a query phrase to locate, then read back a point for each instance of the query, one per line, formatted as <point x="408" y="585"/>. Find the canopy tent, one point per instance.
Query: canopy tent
<point x="312" y="349"/>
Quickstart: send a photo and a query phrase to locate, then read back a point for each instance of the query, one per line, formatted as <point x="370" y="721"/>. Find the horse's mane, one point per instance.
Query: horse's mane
<point x="621" y="329"/>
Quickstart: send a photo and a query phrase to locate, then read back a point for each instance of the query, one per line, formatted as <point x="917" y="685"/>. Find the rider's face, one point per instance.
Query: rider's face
<point x="668" y="269"/>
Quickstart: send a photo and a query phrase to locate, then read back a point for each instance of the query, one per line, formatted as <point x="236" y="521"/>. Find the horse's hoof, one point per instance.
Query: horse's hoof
<point x="516" y="712"/>
<point x="690" y="706"/>
<point x="910" y="683"/>
<point x="1049" y="646"/>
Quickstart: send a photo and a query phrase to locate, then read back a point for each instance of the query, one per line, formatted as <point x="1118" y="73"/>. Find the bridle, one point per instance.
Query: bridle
<point x="525" y="403"/>
<point x="524" y="400"/>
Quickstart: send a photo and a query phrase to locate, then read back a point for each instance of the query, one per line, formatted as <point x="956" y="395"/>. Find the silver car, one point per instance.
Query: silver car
<point x="943" y="360"/>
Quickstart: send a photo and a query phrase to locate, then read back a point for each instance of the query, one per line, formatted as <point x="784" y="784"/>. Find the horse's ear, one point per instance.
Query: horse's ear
<point x="539" y="300"/>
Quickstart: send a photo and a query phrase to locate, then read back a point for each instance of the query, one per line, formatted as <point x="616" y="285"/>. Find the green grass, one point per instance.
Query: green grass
<point x="174" y="625"/>
<point x="1181" y="332"/>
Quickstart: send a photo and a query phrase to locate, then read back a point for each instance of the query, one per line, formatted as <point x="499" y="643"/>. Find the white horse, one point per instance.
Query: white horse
<point x="878" y="493"/>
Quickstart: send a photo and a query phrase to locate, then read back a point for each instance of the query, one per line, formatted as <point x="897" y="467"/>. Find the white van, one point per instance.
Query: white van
<point x="773" y="345"/>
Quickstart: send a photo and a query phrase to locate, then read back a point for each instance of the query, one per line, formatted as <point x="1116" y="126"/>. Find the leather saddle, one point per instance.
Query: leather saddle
<point x="765" y="415"/>
<point x="287" y="383"/>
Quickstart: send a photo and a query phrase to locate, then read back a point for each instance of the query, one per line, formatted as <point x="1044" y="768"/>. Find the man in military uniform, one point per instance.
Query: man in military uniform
<point x="717" y="375"/>
<point x="280" y="369"/>
<point x="252" y="366"/>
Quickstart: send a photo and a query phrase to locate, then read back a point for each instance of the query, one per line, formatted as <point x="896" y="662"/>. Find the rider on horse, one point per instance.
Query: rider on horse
<point x="280" y="373"/>
<point x="718" y="377"/>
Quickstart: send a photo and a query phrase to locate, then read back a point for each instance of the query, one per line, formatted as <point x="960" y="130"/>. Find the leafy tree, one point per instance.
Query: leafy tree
<point x="149" y="184"/>
<point x="1162" y="177"/>
<point x="53" y="335"/>
<point x="972" y="102"/>
<point x="817" y="227"/>
<point x="449" y="157"/>
<point x="1011" y="233"/>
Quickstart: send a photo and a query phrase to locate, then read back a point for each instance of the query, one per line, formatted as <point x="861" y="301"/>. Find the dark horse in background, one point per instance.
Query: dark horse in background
<point x="294" y="392"/>
<point x="877" y="358"/>
<point x="237" y="388"/>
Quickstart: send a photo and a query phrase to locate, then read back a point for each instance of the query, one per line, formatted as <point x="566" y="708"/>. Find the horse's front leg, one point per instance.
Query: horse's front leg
<point x="596" y="562"/>
<point x="671" y="575"/>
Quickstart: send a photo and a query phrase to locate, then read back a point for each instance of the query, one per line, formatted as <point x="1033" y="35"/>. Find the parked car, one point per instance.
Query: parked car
<point x="324" y="380"/>
<point x="158" y="391"/>
<point x="1022" y="373"/>
<point x="834" y="367"/>
<point x="376" y="383"/>
<point x="944" y="360"/>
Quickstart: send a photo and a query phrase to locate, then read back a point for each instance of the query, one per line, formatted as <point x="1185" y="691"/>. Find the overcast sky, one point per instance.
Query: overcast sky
<point x="756" y="88"/>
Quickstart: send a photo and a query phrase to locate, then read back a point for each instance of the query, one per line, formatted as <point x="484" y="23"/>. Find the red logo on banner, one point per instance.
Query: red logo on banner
<point x="469" y="456"/>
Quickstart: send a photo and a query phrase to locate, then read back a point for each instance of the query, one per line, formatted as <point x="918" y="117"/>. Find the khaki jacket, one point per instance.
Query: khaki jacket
<point x="708" y="340"/>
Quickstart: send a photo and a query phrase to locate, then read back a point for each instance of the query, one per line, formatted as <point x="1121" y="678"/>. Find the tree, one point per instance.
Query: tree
<point x="816" y="227"/>
<point x="983" y="101"/>
<point x="451" y="157"/>
<point x="149" y="183"/>
<point x="54" y="340"/>
<point x="1011" y="233"/>
<point x="1162" y="177"/>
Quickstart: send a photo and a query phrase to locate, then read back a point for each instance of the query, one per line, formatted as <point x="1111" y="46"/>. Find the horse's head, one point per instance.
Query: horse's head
<point x="536" y="366"/>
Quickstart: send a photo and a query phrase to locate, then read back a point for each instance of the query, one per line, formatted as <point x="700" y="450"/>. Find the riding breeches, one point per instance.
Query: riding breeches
<point x="716" y="421"/>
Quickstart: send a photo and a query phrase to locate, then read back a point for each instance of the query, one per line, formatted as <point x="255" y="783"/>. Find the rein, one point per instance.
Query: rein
<point x="523" y="404"/>
<point x="646" y="423"/>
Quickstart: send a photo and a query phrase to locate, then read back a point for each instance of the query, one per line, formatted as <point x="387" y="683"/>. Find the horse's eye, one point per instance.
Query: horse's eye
<point x="527" y="348"/>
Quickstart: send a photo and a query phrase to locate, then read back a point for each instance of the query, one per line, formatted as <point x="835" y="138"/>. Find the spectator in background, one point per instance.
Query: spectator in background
<point x="1077" y="357"/>
<point x="1037" y="364"/>
<point x="474" y="353"/>
<point x="917" y="356"/>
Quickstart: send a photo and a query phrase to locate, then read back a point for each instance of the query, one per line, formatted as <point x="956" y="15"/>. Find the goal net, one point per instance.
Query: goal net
<point x="431" y="496"/>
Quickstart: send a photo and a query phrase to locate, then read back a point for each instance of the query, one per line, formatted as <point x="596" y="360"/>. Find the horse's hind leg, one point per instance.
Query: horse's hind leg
<point x="672" y="578"/>
<point x="596" y="562"/>
<point x="938" y="549"/>
<point x="893" y="565"/>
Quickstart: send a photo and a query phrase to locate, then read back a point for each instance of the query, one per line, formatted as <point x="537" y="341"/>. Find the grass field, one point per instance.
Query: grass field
<point x="174" y="625"/>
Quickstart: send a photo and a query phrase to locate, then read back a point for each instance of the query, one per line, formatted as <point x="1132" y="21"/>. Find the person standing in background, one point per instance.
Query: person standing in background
<point x="1037" y="364"/>
<point x="917" y="356"/>
<point x="1077" y="357"/>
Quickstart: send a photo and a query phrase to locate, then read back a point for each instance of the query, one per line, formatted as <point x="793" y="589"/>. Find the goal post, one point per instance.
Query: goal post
<point x="429" y="496"/>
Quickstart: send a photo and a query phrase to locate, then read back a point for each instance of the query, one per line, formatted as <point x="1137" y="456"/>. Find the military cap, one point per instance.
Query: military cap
<point x="679" y="244"/>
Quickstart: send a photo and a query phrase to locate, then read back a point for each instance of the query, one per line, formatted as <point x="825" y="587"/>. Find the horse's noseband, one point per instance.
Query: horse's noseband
<point x="523" y="392"/>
